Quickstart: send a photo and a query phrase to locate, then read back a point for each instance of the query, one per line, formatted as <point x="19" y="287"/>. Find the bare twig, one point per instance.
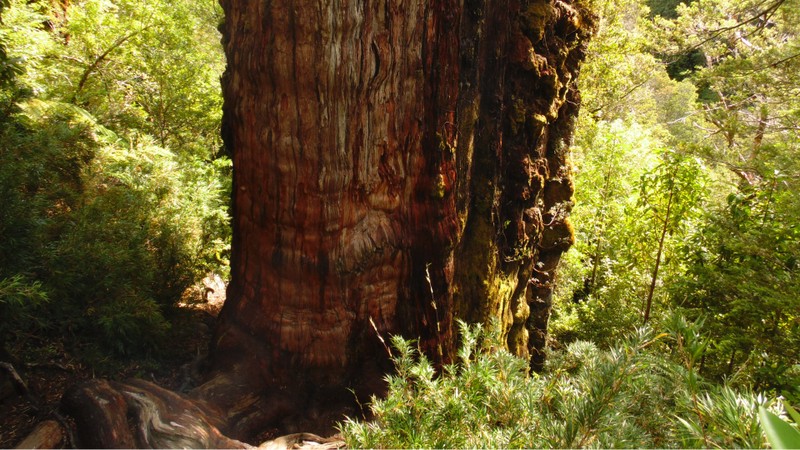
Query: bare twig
<point x="378" y="333"/>
<point x="23" y="389"/>
<point x="766" y="14"/>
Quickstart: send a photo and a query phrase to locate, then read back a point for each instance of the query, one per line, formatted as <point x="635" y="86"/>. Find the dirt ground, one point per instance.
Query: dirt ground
<point x="46" y="380"/>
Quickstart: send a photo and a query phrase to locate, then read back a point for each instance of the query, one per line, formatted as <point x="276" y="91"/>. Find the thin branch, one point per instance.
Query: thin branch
<point x="776" y="63"/>
<point x="768" y="12"/>
<point x="772" y="65"/>
<point x="19" y="383"/>
<point x="118" y="43"/>
<point x="625" y="95"/>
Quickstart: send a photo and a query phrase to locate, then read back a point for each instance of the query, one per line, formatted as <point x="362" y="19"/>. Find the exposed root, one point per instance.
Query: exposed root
<point x="303" y="441"/>
<point x="139" y="414"/>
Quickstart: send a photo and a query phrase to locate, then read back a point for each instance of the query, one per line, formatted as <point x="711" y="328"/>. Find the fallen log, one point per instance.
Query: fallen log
<point x="47" y="434"/>
<point x="140" y="414"/>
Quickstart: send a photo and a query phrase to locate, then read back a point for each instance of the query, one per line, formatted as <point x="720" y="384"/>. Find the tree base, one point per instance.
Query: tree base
<point x="139" y="414"/>
<point x="222" y="413"/>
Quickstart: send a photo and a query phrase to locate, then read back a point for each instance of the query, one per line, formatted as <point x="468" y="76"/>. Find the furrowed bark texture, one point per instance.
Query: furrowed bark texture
<point x="398" y="164"/>
<point x="516" y="117"/>
<point x="401" y="163"/>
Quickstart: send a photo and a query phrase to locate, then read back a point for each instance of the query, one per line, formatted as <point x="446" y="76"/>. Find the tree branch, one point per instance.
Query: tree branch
<point x="767" y="13"/>
<point x="85" y="77"/>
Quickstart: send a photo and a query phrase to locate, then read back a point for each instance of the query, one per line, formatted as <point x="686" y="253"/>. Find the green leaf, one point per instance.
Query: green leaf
<point x="779" y="433"/>
<point x="791" y="411"/>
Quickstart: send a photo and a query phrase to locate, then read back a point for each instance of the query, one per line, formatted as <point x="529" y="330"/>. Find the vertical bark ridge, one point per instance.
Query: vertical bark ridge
<point x="338" y="136"/>
<point x="427" y="304"/>
<point x="482" y="111"/>
<point x="383" y="151"/>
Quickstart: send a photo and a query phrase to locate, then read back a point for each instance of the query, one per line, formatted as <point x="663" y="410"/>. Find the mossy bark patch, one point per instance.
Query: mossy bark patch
<point x="521" y="191"/>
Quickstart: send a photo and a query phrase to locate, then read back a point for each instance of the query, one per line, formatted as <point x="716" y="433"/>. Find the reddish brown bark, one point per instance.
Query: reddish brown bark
<point x="374" y="145"/>
<point x="398" y="162"/>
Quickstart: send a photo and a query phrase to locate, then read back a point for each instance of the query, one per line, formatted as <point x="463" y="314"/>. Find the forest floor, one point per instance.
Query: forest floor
<point x="47" y="379"/>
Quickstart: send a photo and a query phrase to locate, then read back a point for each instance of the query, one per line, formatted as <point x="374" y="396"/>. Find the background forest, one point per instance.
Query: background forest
<point x="114" y="188"/>
<point x="677" y="311"/>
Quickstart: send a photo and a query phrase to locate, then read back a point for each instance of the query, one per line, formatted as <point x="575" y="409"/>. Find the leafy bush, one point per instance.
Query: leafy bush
<point x="742" y="274"/>
<point x="114" y="230"/>
<point x="644" y="392"/>
<point x="20" y="303"/>
<point x="112" y="202"/>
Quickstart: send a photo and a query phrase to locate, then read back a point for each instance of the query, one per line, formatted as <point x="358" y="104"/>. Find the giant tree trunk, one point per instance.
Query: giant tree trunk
<point x="377" y="146"/>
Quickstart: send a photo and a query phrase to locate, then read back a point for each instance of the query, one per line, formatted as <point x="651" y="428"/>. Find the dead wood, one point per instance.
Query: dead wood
<point x="47" y="434"/>
<point x="140" y="414"/>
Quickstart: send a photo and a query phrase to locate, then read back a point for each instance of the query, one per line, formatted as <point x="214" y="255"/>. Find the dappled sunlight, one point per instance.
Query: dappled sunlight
<point x="207" y="295"/>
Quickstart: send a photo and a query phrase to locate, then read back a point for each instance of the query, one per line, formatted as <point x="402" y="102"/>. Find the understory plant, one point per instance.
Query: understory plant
<point x="112" y="230"/>
<point x="643" y="392"/>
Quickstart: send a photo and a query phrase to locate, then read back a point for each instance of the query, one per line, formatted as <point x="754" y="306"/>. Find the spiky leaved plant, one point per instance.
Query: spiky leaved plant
<point x="644" y="392"/>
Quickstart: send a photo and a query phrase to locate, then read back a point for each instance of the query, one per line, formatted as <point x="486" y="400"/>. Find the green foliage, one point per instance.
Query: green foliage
<point x="727" y="251"/>
<point x="743" y="275"/>
<point x="597" y="283"/>
<point x="672" y="190"/>
<point x="779" y="433"/>
<point x="671" y="194"/>
<point x="635" y="202"/>
<point x="740" y="259"/>
<point x="665" y="8"/>
<point x="20" y="303"/>
<point x="113" y="233"/>
<point x="748" y="290"/>
<point x="138" y="68"/>
<point x="621" y="79"/>
<point x="643" y="392"/>
<point x="113" y="203"/>
<point x="9" y="67"/>
<point x="633" y="147"/>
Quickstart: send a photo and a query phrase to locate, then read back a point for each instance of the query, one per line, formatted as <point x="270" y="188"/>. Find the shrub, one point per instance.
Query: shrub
<point x="20" y="303"/>
<point x="115" y="230"/>
<point x="643" y="392"/>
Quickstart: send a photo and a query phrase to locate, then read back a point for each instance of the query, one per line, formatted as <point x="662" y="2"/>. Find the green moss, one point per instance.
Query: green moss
<point x="570" y="231"/>
<point x="518" y="114"/>
<point x="540" y="119"/>
<point x="444" y="146"/>
<point x="502" y="287"/>
<point x="476" y="263"/>
<point x="535" y="18"/>
<point x="559" y="237"/>
<point x="517" y="340"/>
<point x="439" y="187"/>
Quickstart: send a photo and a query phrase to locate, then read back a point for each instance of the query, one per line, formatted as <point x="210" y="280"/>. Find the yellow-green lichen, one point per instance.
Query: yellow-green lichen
<point x="444" y="146"/>
<point x="517" y="340"/>
<point x="540" y="118"/>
